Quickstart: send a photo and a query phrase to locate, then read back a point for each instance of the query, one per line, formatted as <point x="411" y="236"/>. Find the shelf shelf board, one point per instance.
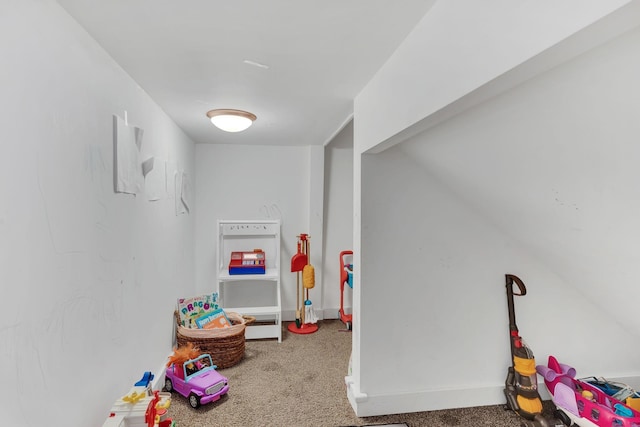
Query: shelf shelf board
<point x="256" y="311"/>
<point x="270" y="274"/>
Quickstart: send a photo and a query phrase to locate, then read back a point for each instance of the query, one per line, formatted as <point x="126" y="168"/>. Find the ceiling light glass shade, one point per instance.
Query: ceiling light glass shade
<point x="231" y="120"/>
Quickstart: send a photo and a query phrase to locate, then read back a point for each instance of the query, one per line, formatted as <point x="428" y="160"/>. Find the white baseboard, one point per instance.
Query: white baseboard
<point x="367" y="404"/>
<point x="322" y="314"/>
<point x="158" y="377"/>
<point x="331" y="313"/>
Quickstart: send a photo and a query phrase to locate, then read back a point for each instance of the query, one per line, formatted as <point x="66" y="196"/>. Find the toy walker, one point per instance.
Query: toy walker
<point x="346" y="277"/>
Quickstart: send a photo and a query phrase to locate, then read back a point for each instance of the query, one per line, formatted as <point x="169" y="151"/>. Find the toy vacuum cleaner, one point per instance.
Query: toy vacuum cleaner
<point x="521" y="386"/>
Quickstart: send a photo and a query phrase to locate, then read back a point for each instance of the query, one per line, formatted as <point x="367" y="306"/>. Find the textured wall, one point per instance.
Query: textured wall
<point x="88" y="277"/>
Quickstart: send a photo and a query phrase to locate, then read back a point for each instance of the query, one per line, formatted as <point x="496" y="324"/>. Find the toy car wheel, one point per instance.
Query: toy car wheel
<point x="560" y="415"/>
<point x="194" y="401"/>
<point x="168" y="385"/>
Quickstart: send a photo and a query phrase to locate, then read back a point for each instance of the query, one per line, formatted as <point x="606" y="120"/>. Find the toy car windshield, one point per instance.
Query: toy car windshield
<point x="200" y="364"/>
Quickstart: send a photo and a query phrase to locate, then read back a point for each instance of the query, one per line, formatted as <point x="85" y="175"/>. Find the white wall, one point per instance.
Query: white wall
<point x="553" y="164"/>
<point x="338" y="213"/>
<point x="538" y="182"/>
<point x="247" y="182"/>
<point x="252" y="182"/>
<point x="89" y="277"/>
<point x="434" y="324"/>
<point x="459" y="52"/>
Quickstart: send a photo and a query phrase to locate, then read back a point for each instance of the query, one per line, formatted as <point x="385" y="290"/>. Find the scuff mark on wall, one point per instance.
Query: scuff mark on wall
<point x="270" y="211"/>
<point x="55" y="246"/>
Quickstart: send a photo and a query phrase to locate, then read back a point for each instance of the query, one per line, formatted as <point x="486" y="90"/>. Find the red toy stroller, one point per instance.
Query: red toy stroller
<point x="346" y="277"/>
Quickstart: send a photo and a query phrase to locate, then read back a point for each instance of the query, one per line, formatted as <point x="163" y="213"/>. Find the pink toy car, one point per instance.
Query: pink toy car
<point x="197" y="380"/>
<point x="582" y="403"/>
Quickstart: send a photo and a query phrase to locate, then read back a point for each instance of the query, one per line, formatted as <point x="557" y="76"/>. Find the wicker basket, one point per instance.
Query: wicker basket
<point x="224" y="345"/>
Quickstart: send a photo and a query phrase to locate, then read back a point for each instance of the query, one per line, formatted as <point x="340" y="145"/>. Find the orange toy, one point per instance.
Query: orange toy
<point x="182" y="354"/>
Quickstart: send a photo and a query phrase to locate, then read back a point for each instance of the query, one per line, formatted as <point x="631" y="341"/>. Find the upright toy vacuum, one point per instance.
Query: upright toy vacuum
<point x="521" y="386"/>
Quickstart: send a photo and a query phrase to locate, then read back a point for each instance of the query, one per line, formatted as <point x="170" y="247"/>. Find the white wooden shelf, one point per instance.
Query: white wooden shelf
<point x="247" y="236"/>
<point x="255" y="311"/>
<point x="270" y="274"/>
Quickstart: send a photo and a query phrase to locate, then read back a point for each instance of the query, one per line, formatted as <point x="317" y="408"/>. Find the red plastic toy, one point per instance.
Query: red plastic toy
<point x="346" y="277"/>
<point x="155" y="412"/>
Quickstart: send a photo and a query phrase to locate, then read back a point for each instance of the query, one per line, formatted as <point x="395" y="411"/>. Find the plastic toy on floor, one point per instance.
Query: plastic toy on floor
<point x="582" y="402"/>
<point x="619" y="391"/>
<point x="346" y="277"/>
<point x="156" y="410"/>
<point x="141" y="407"/>
<point x="521" y="385"/>
<point x="194" y="376"/>
<point x="306" y="320"/>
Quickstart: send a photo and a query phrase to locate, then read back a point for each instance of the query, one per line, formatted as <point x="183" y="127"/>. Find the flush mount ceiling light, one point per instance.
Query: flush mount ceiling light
<point x="231" y="120"/>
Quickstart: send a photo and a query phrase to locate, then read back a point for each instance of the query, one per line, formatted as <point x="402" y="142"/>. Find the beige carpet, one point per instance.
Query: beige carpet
<point x="300" y="383"/>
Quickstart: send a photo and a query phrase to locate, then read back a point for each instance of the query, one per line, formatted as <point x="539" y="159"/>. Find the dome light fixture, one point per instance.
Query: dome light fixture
<point x="231" y="120"/>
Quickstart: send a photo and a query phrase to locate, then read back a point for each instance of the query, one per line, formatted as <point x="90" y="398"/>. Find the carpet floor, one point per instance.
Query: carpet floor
<point x="300" y="383"/>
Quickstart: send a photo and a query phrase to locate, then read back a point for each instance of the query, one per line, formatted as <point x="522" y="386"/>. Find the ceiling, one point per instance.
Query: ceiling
<point x="296" y="64"/>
